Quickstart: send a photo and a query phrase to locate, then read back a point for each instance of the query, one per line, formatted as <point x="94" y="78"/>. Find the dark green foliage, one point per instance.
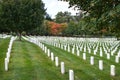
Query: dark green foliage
<point x="21" y="15"/>
<point x="71" y="29"/>
<point x="48" y="17"/>
<point x="106" y="14"/>
<point x="63" y="17"/>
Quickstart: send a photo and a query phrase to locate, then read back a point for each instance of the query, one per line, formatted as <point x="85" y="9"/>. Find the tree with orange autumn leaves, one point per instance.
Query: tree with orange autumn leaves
<point x="54" y="28"/>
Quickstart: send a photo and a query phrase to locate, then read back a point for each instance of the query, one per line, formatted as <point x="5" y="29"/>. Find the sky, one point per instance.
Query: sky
<point x="55" y="6"/>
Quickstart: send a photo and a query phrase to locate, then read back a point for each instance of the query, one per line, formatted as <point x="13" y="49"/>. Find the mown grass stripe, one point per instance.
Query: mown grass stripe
<point x="3" y="49"/>
<point x="28" y="62"/>
<point x="82" y="68"/>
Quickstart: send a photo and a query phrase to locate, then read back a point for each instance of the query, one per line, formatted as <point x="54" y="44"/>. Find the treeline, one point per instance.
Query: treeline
<point x="82" y="24"/>
<point x="102" y="17"/>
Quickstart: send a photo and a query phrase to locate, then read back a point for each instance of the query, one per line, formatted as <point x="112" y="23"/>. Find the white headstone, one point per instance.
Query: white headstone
<point x="56" y="61"/>
<point x="84" y="56"/>
<point x="108" y="56"/>
<point x="117" y="59"/>
<point x="112" y="70"/>
<point x="78" y="53"/>
<point x="6" y="64"/>
<point x="101" y="53"/>
<point x="65" y="47"/>
<point x="119" y="54"/>
<point x="48" y="53"/>
<point x="52" y="56"/>
<point x="68" y="48"/>
<point x="8" y="54"/>
<point x="89" y="50"/>
<point x="8" y="59"/>
<point x="112" y="53"/>
<point x="84" y="49"/>
<point x="92" y="60"/>
<point x="94" y="52"/>
<point x="9" y="50"/>
<point x="59" y="46"/>
<point x="76" y="47"/>
<point x="45" y="49"/>
<point x="80" y="48"/>
<point x="100" y="64"/>
<point x="71" y="75"/>
<point x="73" y="50"/>
<point x="62" y="68"/>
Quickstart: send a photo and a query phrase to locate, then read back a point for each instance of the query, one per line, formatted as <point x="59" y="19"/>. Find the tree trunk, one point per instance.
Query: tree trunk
<point x="20" y="36"/>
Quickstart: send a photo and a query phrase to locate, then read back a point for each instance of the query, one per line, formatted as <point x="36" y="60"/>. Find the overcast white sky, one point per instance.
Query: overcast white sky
<point x="55" y="6"/>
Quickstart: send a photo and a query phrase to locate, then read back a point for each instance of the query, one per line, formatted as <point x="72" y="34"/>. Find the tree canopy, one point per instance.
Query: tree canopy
<point x="21" y="15"/>
<point x="63" y="17"/>
<point x="106" y="13"/>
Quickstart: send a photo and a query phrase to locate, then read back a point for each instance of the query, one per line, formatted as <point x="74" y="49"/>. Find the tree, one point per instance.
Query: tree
<point x="63" y="17"/>
<point x="104" y="12"/>
<point x="71" y="30"/>
<point x="22" y="15"/>
<point x="48" y="17"/>
<point x="53" y="28"/>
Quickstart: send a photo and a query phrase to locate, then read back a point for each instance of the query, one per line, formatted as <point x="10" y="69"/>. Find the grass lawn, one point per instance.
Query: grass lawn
<point x="28" y="62"/>
<point x="82" y="68"/>
<point x="3" y="49"/>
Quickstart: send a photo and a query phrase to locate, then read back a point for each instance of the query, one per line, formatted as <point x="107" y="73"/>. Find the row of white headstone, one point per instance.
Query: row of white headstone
<point x="95" y="50"/>
<point x="89" y="50"/>
<point x="52" y="57"/>
<point x="67" y="40"/>
<point x="4" y="36"/>
<point x="84" y="45"/>
<point x="7" y="59"/>
<point x="112" y="67"/>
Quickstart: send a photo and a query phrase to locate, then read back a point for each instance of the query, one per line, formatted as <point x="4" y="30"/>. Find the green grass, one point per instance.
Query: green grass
<point x="28" y="62"/>
<point x="82" y="68"/>
<point x="3" y="50"/>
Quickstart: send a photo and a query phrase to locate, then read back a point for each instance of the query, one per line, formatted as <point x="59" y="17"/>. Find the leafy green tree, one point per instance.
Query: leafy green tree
<point x="22" y="15"/>
<point x="106" y="13"/>
<point x="63" y="17"/>
<point x="71" y="30"/>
